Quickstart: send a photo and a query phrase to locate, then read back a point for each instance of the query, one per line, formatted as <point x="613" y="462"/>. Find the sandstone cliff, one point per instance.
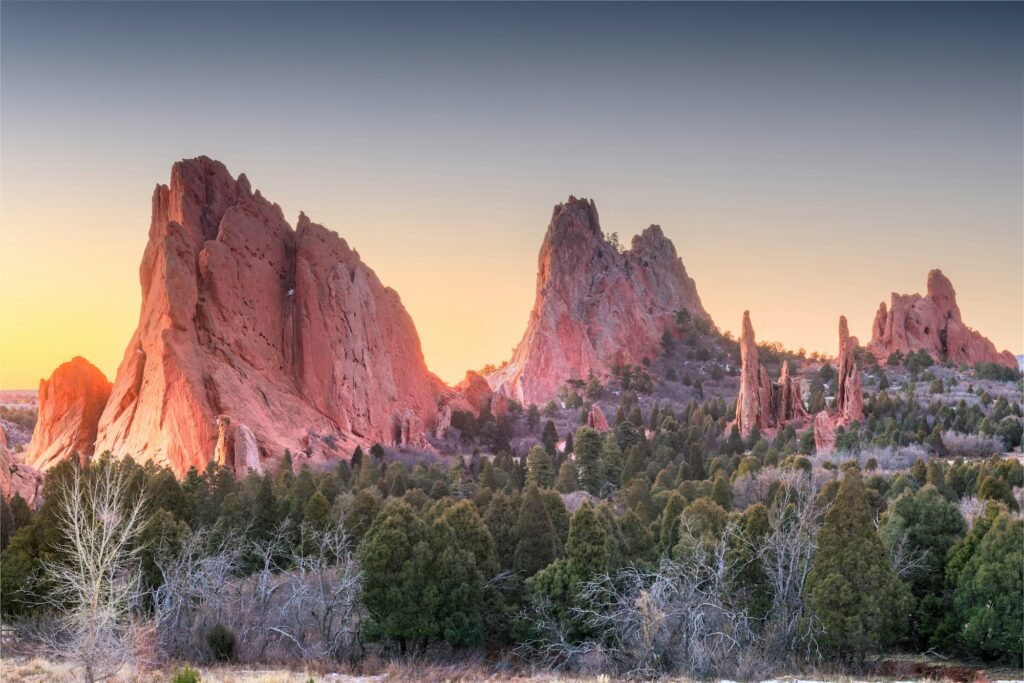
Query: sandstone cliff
<point x="932" y="322"/>
<point x="254" y="338"/>
<point x="70" y="404"/>
<point x="595" y="305"/>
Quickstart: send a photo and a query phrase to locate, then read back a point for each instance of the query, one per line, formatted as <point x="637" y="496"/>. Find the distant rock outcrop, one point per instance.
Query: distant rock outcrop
<point x="476" y="391"/>
<point x="595" y="305"/>
<point x="932" y="322"/>
<point x="849" y="402"/>
<point x="597" y="420"/>
<point x="761" y="402"/>
<point x="70" y="404"/>
<point x="16" y="477"/>
<point x="255" y="338"/>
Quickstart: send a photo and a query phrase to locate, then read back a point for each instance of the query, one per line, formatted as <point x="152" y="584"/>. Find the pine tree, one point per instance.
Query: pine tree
<point x="501" y="520"/>
<point x="549" y="438"/>
<point x="988" y="593"/>
<point x="721" y="492"/>
<point x="473" y="536"/>
<point x="539" y="468"/>
<point x="929" y="525"/>
<point x="588" y="459"/>
<point x="559" y="517"/>
<point x="393" y="557"/>
<point x="536" y="542"/>
<point x="453" y="591"/>
<point x="567" y="480"/>
<point x="669" y="535"/>
<point x="859" y="601"/>
<point x="611" y="461"/>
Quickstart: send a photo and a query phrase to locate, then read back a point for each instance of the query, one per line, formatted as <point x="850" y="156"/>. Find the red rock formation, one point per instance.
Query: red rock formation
<point x="761" y="402"/>
<point x="595" y="305"/>
<point x="932" y="322"/>
<point x="597" y="420"/>
<point x="285" y="333"/>
<point x="849" y="391"/>
<point x="499" y="404"/>
<point x="476" y="390"/>
<point x="849" y="404"/>
<point x="70" y="403"/>
<point x="824" y="432"/>
<point x="16" y="477"/>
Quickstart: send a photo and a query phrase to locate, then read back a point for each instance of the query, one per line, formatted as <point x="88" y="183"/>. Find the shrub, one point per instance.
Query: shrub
<point x="186" y="675"/>
<point x="994" y="371"/>
<point x="221" y="642"/>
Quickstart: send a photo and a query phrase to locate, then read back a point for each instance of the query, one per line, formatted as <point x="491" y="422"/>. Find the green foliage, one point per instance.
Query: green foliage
<point x="186" y="675"/>
<point x="539" y="468"/>
<point x="856" y="597"/>
<point x="536" y="540"/>
<point x="988" y="593"/>
<point x="927" y="526"/>
<point x="221" y="643"/>
<point x="587" y="448"/>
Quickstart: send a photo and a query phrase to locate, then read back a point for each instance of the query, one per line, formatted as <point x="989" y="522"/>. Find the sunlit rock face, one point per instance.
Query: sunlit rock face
<point x="17" y="478"/>
<point x="595" y="305"/>
<point x="932" y="322"/>
<point x="70" y="404"/>
<point x="260" y="338"/>
<point x="761" y="402"/>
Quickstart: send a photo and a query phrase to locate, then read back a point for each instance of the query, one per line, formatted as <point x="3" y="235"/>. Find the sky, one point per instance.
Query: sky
<point x="806" y="159"/>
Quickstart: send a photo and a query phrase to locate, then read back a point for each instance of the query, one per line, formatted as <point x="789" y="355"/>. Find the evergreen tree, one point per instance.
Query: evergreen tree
<point x="539" y="468"/>
<point x="929" y="526"/>
<point x="669" y="535"/>
<point x="988" y="594"/>
<point x="549" y="438"/>
<point x="501" y="520"/>
<point x="721" y="492"/>
<point x="473" y="536"/>
<point x="559" y="517"/>
<point x="567" y="480"/>
<point x="588" y="459"/>
<point x="453" y="594"/>
<point x="536" y="541"/>
<point x="859" y="601"/>
<point x="611" y="461"/>
<point x="392" y="556"/>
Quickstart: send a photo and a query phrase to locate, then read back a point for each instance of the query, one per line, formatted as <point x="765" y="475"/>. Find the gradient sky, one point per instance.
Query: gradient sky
<point x="806" y="159"/>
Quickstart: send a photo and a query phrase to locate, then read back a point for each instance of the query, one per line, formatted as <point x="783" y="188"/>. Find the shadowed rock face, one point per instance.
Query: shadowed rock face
<point x="254" y="337"/>
<point x="932" y="322"/>
<point x="70" y="404"/>
<point x="761" y="402"/>
<point x="594" y="305"/>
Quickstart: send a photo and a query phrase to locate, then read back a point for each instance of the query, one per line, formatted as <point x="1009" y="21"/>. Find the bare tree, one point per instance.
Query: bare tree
<point x="300" y="602"/>
<point x="96" y="583"/>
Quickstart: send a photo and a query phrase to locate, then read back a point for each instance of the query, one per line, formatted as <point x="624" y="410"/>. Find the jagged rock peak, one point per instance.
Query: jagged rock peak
<point x="70" y="403"/>
<point x="596" y="304"/>
<point x="255" y="338"/>
<point x="932" y="323"/>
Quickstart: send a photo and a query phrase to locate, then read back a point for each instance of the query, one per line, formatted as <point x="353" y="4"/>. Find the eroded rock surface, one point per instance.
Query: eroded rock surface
<point x="595" y="305"/>
<point x="70" y="404"/>
<point x="761" y="402"/>
<point x="932" y="322"/>
<point x="254" y="337"/>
